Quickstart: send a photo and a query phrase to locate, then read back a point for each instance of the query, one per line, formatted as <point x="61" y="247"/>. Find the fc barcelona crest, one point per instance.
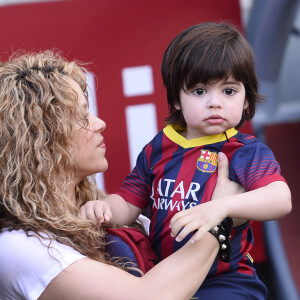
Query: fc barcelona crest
<point x="207" y="162"/>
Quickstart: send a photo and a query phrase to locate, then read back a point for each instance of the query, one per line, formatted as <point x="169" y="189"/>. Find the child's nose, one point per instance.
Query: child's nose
<point x="214" y="100"/>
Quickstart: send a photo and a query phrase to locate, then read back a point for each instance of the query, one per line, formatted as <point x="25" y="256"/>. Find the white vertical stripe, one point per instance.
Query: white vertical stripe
<point x="90" y="79"/>
<point x="137" y="81"/>
<point x="141" y="127"/>
<point x="12" y="2"/>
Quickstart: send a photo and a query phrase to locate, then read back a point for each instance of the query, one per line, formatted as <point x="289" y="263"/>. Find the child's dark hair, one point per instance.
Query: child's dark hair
<point x="205" y="53"/>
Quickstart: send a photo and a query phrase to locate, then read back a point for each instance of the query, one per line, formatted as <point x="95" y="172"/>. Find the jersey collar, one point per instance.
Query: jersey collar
<point x="172" y="131"/>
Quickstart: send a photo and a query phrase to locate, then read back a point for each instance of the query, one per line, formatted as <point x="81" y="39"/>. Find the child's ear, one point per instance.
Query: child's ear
<point x="246" y="104"/>
<point x="177" y="106"/>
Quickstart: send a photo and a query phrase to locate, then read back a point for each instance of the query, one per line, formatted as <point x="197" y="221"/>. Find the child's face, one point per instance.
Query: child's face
<point x="212" y="108"/>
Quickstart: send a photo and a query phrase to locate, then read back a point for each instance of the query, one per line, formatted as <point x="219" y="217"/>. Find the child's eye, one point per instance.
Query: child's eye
<point x="229" y="92"/>
<point x="199" y="92"/>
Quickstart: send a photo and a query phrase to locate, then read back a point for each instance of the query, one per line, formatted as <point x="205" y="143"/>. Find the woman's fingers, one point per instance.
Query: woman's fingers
<point x="223" y="177"/>
<point x="223" y="168"/>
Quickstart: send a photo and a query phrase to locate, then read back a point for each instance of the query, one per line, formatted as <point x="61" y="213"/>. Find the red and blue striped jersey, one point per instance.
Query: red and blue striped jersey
<point x="173" y="174"/>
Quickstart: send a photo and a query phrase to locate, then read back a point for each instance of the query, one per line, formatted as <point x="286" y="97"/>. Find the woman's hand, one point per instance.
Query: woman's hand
<point x="225" y="187"/>
<point x="203" y="217"/>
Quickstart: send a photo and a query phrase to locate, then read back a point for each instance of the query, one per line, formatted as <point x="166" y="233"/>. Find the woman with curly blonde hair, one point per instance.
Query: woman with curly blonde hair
<point x="50" y="145"/>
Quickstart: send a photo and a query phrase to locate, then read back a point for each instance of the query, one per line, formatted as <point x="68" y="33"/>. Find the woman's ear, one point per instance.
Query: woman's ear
<point x="246" y="104"/>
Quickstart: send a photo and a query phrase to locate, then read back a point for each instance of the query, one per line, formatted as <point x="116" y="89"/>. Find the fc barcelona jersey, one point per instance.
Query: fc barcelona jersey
<point x="173" y="174"/>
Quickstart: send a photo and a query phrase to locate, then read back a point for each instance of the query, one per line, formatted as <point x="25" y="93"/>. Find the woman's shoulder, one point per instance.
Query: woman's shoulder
<point x="17" y="244"/>
<point x="28" y="264"/>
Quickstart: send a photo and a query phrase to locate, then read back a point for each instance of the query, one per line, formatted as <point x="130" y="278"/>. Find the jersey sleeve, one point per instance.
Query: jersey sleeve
<point x="254" y="166"/>
<point x="28" y="265"/>
<point x="135" y="189"/>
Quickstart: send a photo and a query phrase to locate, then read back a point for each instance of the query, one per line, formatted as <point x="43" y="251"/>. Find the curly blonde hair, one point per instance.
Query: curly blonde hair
<point x="38" y="109"/>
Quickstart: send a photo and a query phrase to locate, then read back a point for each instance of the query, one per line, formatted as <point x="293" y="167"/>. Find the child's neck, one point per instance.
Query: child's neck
<point x="184" y="133"/>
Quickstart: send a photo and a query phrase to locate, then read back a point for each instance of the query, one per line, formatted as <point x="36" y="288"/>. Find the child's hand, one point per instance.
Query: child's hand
<point x="97" y="211"/>
<point x="202" y="218"/>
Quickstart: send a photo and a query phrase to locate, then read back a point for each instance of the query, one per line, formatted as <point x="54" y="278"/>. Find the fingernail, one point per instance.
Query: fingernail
<point x="221" y="155"/>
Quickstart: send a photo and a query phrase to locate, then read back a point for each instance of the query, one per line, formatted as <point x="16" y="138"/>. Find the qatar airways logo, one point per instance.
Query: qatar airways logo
<point x="163" y="194"/>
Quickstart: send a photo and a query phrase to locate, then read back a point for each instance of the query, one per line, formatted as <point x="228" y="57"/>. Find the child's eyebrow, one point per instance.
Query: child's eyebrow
<point x="232" y="82"/>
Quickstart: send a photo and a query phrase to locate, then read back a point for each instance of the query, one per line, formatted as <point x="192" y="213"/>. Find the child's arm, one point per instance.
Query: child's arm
<point x="263" y="204"/>
<point x="266" y="203"/>
<point x="113" y="208"/>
